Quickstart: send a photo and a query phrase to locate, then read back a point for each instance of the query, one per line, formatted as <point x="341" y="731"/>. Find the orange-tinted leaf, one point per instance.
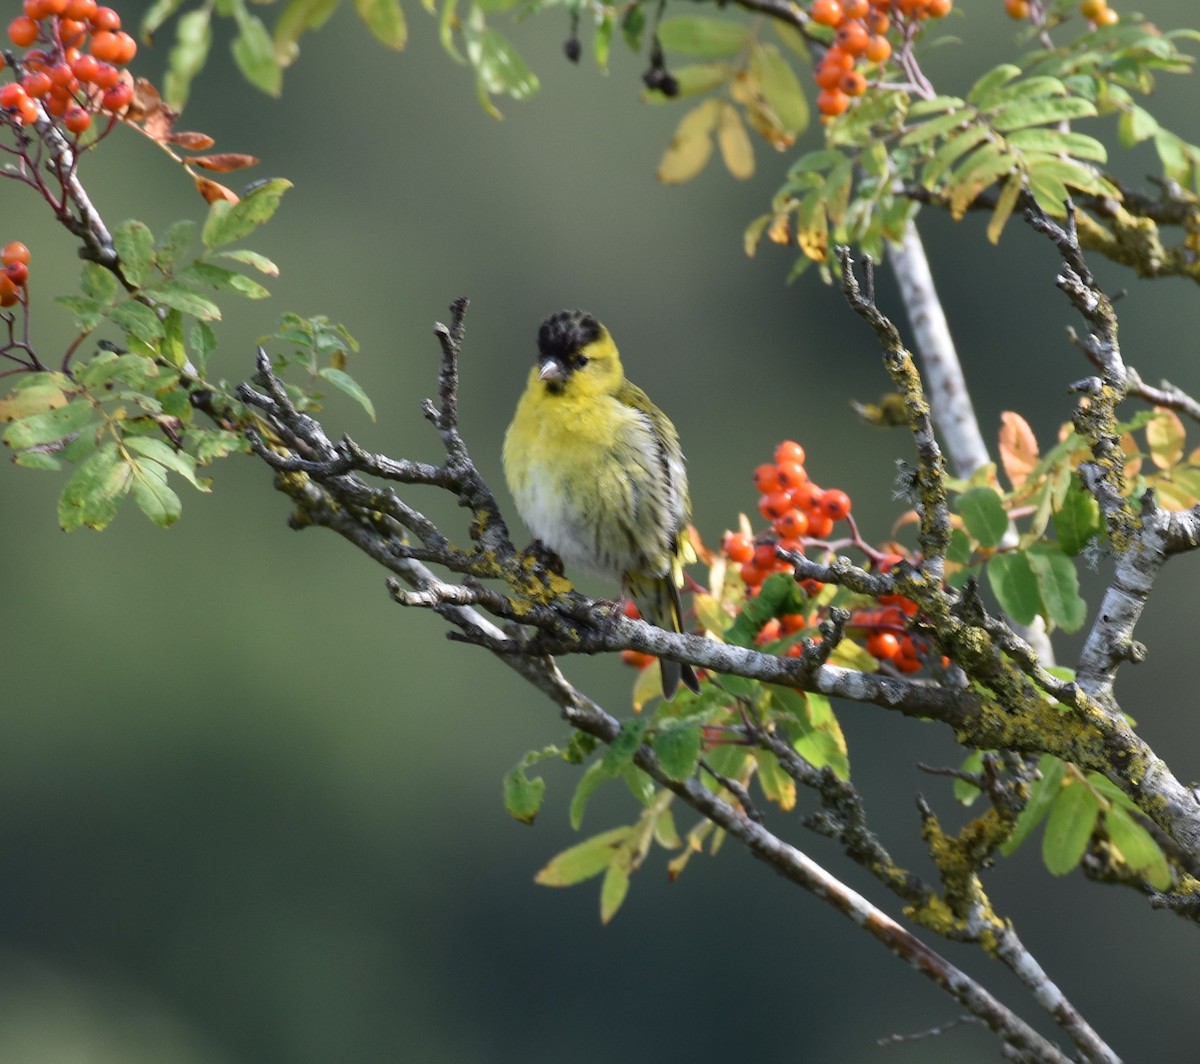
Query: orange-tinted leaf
<point x="224" y="162"/>
<point x="148" y="111"/>
<point x="193" y="141"/>
<point x="1130" y="446"/>
<point x="1018" y="447"/>
<point x="214" y="190"/>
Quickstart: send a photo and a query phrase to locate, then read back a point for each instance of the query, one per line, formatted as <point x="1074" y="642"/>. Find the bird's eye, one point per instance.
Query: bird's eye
<point x="582" y="360"/>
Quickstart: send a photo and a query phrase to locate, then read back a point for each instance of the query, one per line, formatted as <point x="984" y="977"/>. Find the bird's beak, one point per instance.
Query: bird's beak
<point x="552" y="371"/>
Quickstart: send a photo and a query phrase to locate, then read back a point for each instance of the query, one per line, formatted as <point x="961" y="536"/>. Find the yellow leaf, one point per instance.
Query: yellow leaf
<point x="1018" y="447"/>
<point x="1165" y="435"/>
<point x="1005" y="203"/>
<point x="735" y="144"/>
<point x="812" y="227"/>
<point x="781" y="89"/>
<point x="691" y="146"/>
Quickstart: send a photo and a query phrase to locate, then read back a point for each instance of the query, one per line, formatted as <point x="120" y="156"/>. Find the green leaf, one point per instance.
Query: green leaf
<point x="613" y="890"/>
<point x="584" y="860"/>
<point x="983" y="513"/>
<point x="135" y="370"/>
<point x="93" y="494"/>
<point x="49" y="427"/>
<point x="602" y="40"/>
<point x="949" y="153"/>
<point x="624" y="746"/>
<point x="595" y="774"/>
<point x="498" y="67"/>
<point x="1012" y="581"/>
<point x="252" y="258"/>
<point x="98" y="283"/>
<point x="523" y="796"/>
<point x="1135" y="125"/>
<point x="678" y="750"/>
<point x="1042" y="797"/>
<point x="776" y="784"/>
<point x="159" y="12"/>
<point x="1137" y="847"/>
<point x="1042" y="112"/>
<point x="781" y="89"/>
<point x="207" y="275"/>
<point x="173" y="243"/>
<point x="707" y="38"/>
<point x="159" y="451"/>
<point x="138" y="320"/>
<point x="935" y="127"/>
<point x="385" y="19"/>
<point x="34" y="394"/>
<point x="173" y="294"/>
<point x="936" y="105"/>
<point x="1010" y="192"/>
<point x="1058" y="585"/>
<point x="1069" y="827"/>
<point x="193" y="38"/>
<point x="1077" y="145"/>
<point x="153" y="495"/>
<point x="254" y="52"/>
<point x="228" y="222"/>
<point x="1077" y="522"/>
<point x="344" y="382"/>
<point x="295" y="19"/>
<point x="966" y="793"/>
<point x="135" y="248"/>
<point x="986" y="90"/>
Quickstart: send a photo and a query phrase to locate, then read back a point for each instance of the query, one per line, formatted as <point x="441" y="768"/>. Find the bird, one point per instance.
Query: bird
<point x="597" y="474"/>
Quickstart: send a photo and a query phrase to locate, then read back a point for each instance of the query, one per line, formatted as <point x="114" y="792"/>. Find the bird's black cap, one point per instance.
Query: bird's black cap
<point x="564" y="333"/>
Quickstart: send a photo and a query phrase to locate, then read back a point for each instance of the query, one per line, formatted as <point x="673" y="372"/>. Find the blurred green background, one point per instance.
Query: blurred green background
<point x="250" y="810"/>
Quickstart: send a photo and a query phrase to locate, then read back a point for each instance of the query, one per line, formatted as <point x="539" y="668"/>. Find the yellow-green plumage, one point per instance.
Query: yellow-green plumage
<point x="597" y="473"/>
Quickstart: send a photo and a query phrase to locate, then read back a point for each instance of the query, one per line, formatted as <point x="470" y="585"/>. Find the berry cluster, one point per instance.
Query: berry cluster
<point x="1095" y="11"/>
<point x="14" y="259"/>
<point x="796" y="508"/>
<point x="70" y="83"/>
<point x="861" y="37"/>
<point x="885" y="628"/>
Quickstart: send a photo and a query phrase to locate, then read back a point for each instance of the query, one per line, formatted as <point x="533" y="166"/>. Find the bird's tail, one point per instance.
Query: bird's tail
<point x="659" y="603"/>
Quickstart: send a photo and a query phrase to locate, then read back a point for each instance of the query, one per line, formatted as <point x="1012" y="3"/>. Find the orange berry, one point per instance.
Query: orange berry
<point x="738" y="547"/>
<point x="61" y="74"/>
<point x="106" y="77"/>
<point x="906" y="664"/>
<point x="630" y="609"/>
<point x="769" y="632"/>
<point x="792" y="525"/>
<point x="879" y="49"/>
<point x="877" y="21"/>
<point x="939" y="8"/>
<point x="835" y="57"/>
<point x="774" y="504"/>
<point x="105" y="46"/>
<point x="1018" y="9"/>
<point x="53" y="7"/>
<point x="752" y="575"/>
<point x="37" y="84"/>
<point x="836" y="503"/>
<point x="793" y="622"/>
<point x="81" y="10"/>
<point x="18" y="273"/>
<point x="8" y="291"/>
<point x="1108" y="17"/>
<point x="86" y="67"/>
<point x="766" y="478"/>
<point x="812" y="587"/>
<point x="790" y="451"/>
<point x="12" y="94"/>
<point x="827" y="76"/>
<point x="853" y="83"/>
<point x="883" y="645"/>
<point x="23" y="31"/>
<point x="71" y="33"/>
<point x="56" y="102"/>
<point x="819" y="525"/>
<point x="106" y="18"/>
<point x="637" y="659"/>
<point x="126" y="48"/>
<point x="855" y="8"/>
<point x="806" y="496"/>
<point x="77" y="120"/>
<point x="852" y="37"/>
<point x="826" y="12"/>
<point x="792" y="475"/>
<point x="832" y="102"/>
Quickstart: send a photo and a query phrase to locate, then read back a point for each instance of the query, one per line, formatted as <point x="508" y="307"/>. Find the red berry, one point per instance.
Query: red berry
<point x="82" y="10"/>
<point x="117" y="98"/>
<point x="832" y="102"/>
<point x="85" y="68"/>
<point x="23" y="31"/>
<point x="18" y="273"/>
<point x="853" y="83"/>
<point x="106" y="76"/>
<point x="852" y="37"/>
<point x="752" y="574"/>
<point x="791" y="475"/>
<point x="806" y="496"/>
<point x="37" y="84"/>
<point x="879" y="49"/>
<point x="77" y="120"/>
<point x="820" y="524"/>
<point x="836" y="503"/>
<point x="774" y="504"/>
<point x="12" y="94"/>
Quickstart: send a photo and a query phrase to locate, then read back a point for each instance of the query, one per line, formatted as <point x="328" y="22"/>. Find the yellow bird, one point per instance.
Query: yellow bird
<point x="597" y="473"/>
